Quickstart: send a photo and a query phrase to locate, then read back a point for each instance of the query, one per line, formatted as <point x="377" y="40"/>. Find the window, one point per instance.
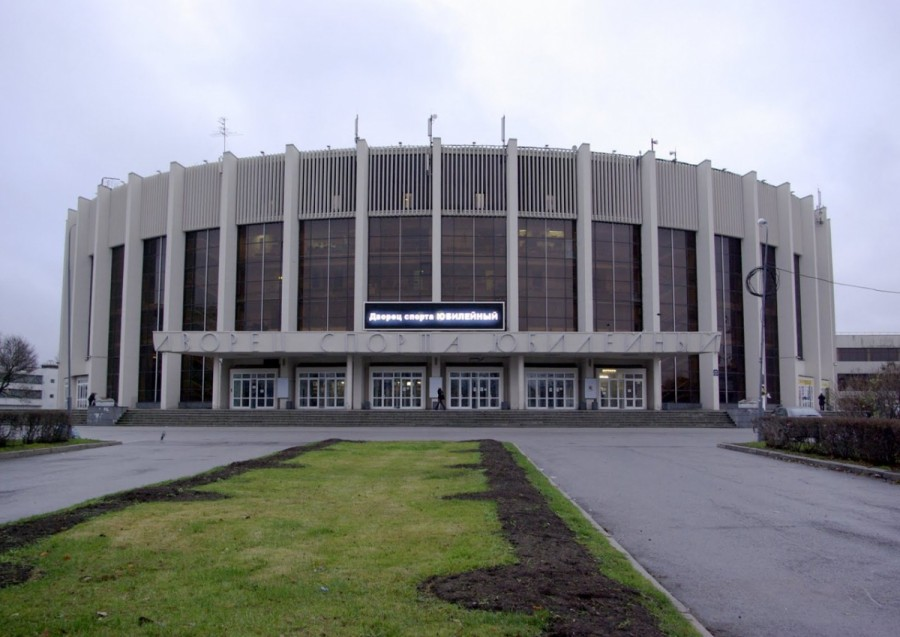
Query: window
<point x="680" y="375"/>
<point x="116" y="283"/>
<point x="200" y="309"/>
<point x="258" y="296"/>
<point x="400" y="259"/>
<point x="730" y="315"/>
<point x="547" y="281"/>
<point x="325" y="295"/>
<point x="152" y="287"/>
<point x="473" y="258"/>
<point x="618" y="302"/>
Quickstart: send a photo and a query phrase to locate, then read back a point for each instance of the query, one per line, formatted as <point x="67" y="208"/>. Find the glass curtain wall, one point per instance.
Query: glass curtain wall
<point x="325" y="297"/>
<point x="678" y="312"/>
<point x="730" y="313"/>
<point x="152" y="287"/>
<point x="113" y="344"/>
<point x="773" y="351"/>
<point x="201" y="293"/>
<point x="547" y="275"/>
<point x="618" y="304"/>
<point x="400" y="258"/>
<point x="473" y="258"/>
<point x="258" y="294"/>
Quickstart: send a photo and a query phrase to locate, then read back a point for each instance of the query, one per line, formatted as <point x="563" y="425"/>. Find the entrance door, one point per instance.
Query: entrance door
<point x="550" y="389"/>
<point x="622" y="388"/>
<point x="474" y="389"/>
<point x="253" y="389"/>
<point x="397" y="388"/>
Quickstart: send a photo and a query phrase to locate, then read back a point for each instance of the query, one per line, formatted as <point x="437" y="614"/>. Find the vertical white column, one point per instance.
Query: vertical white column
<point x="512" y="236"/>
<point x="517" y="381"/>
<point x="751" y="258"/>
<point x="825" y="272"/>
<point x="809" y="293"/>
<point x="131" y="295"/>
<point x="706" y="285"/>
<point x="173" y="290"/>
<point x="65" y="315"/>
<point x="227" y="268"/>
<point x="787" y="301"/>
<point x="81" y="288"/>
<point x="650" y="269"/>
<point x="584" y="236"/>
<point x="516" y="361"/>
<point x="361" y="249"/>
<point x="436" y="272"/>
<point x="290" y="268"/>
<point x="102" y="280"/>
<point x="360" y="269"/>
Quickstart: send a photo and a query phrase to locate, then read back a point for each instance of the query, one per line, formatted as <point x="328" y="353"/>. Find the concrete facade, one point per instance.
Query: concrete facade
<point x="582" y="364"/>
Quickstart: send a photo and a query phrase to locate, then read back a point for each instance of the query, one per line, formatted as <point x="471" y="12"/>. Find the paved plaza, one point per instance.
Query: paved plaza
<point x="753" y="546"/>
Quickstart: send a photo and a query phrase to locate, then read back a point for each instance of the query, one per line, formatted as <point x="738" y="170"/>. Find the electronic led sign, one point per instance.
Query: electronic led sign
<point x="435" y="316"/>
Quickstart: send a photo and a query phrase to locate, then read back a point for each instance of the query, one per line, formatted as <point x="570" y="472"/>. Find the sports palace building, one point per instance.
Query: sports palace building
<point x="511" y="277"/>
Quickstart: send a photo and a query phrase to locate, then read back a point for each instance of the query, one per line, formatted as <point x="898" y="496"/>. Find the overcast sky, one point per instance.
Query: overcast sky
<point x="806" y="92"/>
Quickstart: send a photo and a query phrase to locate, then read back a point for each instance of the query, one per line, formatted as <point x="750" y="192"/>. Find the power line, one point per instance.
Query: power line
<point x="845" y="285"/>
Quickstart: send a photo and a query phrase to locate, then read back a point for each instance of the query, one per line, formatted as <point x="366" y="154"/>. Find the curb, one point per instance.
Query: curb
<point x="679" y="606"/>
<point x="10" y="455"/>
<point x="834" y="465"/>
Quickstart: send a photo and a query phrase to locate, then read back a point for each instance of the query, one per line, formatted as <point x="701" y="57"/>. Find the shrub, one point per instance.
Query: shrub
<point x="48" y="425"/>
<point x="874" y="441"/>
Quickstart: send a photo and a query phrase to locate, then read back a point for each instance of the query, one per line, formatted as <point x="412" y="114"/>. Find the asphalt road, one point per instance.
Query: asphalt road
<point x="753" y="546"/>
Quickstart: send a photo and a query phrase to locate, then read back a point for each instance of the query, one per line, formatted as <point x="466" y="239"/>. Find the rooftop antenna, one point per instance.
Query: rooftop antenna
<point x="431" y="119"/>
<point x="653" y="144"/>
<point x="503" y="130"/>
<point x="224" y="131"/>
<point x="356" y="129"/>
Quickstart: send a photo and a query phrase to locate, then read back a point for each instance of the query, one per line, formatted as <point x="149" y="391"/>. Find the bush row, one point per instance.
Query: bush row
<point x="46" y="425"/>
<point x="874" y="441"/>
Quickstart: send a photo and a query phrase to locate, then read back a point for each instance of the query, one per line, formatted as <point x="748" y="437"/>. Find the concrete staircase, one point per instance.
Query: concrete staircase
<point x="421" y="418"/>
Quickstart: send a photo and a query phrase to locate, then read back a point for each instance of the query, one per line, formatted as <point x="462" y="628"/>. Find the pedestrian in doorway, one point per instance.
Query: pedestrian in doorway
<point x="441" y="404"/>
<point x="92" y="399"/>
<point x="821" y="402"/>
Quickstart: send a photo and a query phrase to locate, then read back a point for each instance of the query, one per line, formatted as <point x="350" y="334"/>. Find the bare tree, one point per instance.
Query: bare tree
<point x="875" y="395"/>
<point x="17" y="357"/>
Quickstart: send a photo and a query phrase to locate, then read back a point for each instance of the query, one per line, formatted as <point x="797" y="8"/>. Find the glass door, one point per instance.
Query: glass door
<point x="253" y="389"/>
<point x="397" y="388"/>
<point x="474" y="389"/>
<point x="622" y="388"/>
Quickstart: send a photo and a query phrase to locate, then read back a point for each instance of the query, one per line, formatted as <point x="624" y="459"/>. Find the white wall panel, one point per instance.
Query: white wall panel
<point x="728" y="204"/>
<point x="676" y="191"/>
<point x="154" y="205"/>
<point x="202" y="194"/>
<point x="615" y="188"/>
<point x="260" y="189"/>
<point x="327" y="184"/>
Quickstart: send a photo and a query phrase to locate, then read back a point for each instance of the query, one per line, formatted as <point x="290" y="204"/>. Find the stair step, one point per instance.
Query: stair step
<point x="422" y="418"/>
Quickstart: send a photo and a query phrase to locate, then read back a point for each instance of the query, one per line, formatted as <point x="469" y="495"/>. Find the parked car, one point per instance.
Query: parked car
<point x="796" y="412"/>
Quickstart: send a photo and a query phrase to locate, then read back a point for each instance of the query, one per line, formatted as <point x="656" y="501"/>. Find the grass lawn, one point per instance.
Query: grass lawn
<point x="335" y="543"/>
<point x="18" y="445"/>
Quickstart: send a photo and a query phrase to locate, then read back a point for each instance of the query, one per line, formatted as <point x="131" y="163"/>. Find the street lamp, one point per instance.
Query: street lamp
<point x="763" y="224"/>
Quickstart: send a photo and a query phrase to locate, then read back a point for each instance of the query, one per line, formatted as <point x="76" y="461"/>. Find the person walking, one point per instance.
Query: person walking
<point x="441" y="404"/>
